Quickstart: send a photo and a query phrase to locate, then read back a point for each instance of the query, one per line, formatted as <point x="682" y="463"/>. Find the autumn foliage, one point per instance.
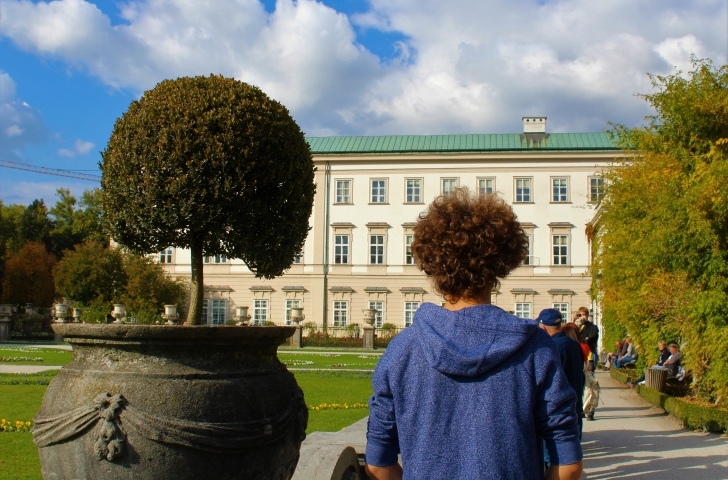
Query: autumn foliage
<point x="662" y="241"/>
<point x="28" y="276"/>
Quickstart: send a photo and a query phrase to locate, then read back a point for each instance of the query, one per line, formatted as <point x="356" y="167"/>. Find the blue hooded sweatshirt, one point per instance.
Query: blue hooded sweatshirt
<point x="471" y="395"/>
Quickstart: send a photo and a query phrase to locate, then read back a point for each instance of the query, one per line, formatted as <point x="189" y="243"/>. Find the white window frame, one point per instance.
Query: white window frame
<point x="378" y="191"/>
<point x="560" y="192"/>
<point x="409" y="312"/>
<point x="342" y="251"/>
<point x="340" y="313"/>
<point x="292" y="303"/>
<point x="597" y="183"/>
<point x="377" y="251"/>
<point x="165" y="256"/>
<point x="525" y="188"/>
<point x="341" y="196"/>
<point x="379" y="316"/>
<point x="218" y="311"/>
<point x="559" y="249"/>
<point x="205" y="310"/>
<point x="415" y="195"/>
<point x="260" y="311"/>
<point x="562" y="307"/>
<point x="482" y="185"/>
<point x="523" y="310"/>
<point x="216" y="259"/>
<point x="529" y="258"/>
<point x="452" y="184"/>
<point x="409" y="259"/>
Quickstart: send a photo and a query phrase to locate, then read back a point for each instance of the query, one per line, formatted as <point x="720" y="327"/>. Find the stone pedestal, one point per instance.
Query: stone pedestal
<point x="297" y="338"/>
<point x="6" y="325"/>
<point x="368" y="336"/>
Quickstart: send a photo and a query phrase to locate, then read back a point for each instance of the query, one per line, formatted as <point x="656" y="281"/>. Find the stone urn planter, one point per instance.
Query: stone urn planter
<point x="182" y="402"/>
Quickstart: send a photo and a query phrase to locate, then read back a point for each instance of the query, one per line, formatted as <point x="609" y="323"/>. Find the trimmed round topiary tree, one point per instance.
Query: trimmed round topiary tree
<point x="214" y="165"/>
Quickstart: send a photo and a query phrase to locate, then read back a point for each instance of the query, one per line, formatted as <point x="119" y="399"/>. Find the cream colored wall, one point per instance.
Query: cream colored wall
<point x="395" y="275"/>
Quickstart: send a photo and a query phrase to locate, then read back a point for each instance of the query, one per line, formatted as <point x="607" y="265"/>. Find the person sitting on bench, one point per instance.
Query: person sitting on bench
<point x="629" y="356"/>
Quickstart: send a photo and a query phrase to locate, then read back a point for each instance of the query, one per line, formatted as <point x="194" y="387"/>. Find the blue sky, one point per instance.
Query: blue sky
<point x="69" y="68"/>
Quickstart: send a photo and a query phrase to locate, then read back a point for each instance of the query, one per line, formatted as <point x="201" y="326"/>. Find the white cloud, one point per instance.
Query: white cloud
<point x="467" y="66"/>
<point x="15" y="190"/>
<point x="20" y="124"/>
<point x="79" y="148"/>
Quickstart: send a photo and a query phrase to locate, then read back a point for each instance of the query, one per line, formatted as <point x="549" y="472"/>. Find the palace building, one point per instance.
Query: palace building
<point x="370" y="191"/>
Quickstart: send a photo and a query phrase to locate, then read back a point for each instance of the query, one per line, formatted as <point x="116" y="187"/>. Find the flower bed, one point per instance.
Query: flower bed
<point x="15" y="426"/>
<point x="337" y="406"/>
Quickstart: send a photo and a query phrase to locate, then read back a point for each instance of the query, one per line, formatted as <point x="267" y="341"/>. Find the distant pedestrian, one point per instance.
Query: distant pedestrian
<point x="470" y="391"/>
<point x="589" y="332"/>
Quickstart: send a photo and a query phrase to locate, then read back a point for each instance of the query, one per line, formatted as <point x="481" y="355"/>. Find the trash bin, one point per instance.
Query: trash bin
<point x="656" y="378"/>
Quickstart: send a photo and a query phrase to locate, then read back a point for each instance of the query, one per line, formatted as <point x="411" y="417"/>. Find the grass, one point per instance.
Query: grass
<point x="48" y="356"/>
<point x="19" y="457"/>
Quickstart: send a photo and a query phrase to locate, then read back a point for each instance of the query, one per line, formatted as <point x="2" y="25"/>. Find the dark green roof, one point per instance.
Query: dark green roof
<point x="511" y="142"/>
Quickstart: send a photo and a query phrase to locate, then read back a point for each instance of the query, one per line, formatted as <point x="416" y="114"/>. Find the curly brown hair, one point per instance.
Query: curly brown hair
<point x="465" y="243"/>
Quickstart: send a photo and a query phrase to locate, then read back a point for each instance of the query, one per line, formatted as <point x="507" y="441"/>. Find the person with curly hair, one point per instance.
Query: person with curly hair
<point x="470" y="391"/>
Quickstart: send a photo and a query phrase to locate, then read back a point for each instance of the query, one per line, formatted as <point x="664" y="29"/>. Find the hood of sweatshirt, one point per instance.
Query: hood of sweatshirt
<point x="471" y="341"/>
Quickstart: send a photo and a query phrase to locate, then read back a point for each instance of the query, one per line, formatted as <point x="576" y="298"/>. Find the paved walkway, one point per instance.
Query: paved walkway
<point x="631" y="438"/>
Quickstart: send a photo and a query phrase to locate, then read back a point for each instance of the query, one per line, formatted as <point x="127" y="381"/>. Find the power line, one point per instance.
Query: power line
<point x="50" y="171"/>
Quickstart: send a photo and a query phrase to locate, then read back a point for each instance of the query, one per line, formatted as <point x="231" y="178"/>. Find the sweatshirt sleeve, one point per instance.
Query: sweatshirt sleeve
<point x="556" y="417"/>
<point x="382" y="438"/>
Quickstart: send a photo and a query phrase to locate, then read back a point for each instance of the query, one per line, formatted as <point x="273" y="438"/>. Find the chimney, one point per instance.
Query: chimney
<point x="534" y="124"/>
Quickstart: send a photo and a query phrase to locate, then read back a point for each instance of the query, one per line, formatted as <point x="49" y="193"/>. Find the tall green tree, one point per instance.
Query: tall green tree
<point x="663" y="242"/>
<point x="75" y="222"/>
<point x="35" y="224"/>
<point x="213" y="165"/>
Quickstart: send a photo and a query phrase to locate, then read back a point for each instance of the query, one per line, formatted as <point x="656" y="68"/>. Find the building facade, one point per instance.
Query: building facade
<point x="370" y="192"/>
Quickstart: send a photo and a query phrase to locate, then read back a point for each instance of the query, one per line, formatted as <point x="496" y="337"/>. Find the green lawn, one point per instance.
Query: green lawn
<point x="19" y="456"/>
<point x="47" y="356"/>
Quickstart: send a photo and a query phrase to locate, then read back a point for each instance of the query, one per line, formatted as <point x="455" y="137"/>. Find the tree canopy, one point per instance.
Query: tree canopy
<point x="28" y="277"/>
<point x="662" y="259"/>
<point x="213" y="165"/>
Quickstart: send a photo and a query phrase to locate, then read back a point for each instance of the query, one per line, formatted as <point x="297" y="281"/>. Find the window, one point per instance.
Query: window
<point x="379" y="191"/>
<point x="596" y="189"/>
<point x="523" y="310"/>
<point x="559" y="189"/>
<point x="289" y="305"/>
<point x="379" y="316"/>
<point x="298" y="259"/>
<point x="529" y="259"/>
<point x="260" y="312"/>
<point x="216" y="259"/>
<point x="523" y="190"/>
<point x="376" y="249"/>
<point x="408" y="258"/>
<point x="219" y="307"/>
<point x="205" y="303"/>
<point x="343" y="191"/>
<point x="564" y="309"/>
<point x="341" y="312"/>
<point x="413" y="189"/>
<point x="448" y="185"/>
<point x="409" y="312"/>
<point x="561" y="249"/>
<point x="341" y="249"/>
<point x="165" y="256"/>
<point x="486" y="185"/>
